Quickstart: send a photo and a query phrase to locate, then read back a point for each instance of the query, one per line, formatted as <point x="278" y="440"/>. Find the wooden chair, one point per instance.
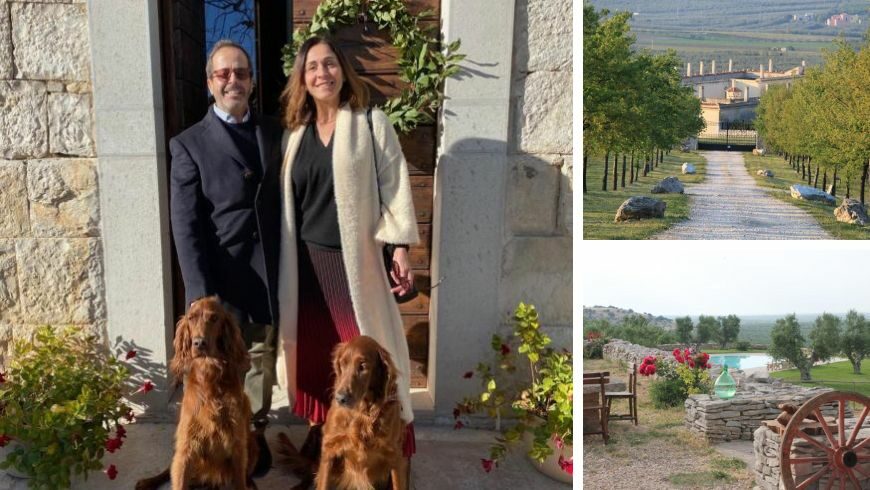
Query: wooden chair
<point x="599" y="404"/>
<point x="630" y="395"/>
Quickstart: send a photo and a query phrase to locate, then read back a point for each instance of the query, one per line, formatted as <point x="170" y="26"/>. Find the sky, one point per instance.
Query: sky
<point x="724" y="277"/>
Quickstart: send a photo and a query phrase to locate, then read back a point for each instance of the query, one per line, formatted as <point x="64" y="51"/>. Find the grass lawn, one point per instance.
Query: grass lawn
<point x="778" y="187"/>
<point x="599" y="207"/>
<point x="837" y="375"/>
<point x="657" y="453"/>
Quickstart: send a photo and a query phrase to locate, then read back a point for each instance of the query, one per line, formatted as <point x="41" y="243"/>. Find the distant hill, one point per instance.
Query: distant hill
<point x="616" y="315"/>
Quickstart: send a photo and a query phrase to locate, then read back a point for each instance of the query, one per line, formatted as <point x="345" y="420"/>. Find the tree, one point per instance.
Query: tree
<point x="855" y="340"/>
<point x="787" y="343"/>
<point x="708" y="329"/>
<point x="729" y="329"/>
<point x="825" y="338"/>
<point x="684" y="329"/>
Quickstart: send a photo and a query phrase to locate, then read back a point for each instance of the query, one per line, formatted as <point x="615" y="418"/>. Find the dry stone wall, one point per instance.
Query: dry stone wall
<point x="51" y="260"/>
<point x="536" y="265"/>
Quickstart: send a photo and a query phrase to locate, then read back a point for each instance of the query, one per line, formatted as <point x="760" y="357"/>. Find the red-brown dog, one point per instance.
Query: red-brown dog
<point x="363" y="434"/>
<point x="213" y="443"/>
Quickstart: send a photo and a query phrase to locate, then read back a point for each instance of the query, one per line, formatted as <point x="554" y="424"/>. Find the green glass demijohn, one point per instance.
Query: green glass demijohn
<point x="725" y="387"/>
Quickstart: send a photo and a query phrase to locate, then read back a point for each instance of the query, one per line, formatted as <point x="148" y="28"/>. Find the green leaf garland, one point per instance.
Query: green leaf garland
<point x="422" y="65"/>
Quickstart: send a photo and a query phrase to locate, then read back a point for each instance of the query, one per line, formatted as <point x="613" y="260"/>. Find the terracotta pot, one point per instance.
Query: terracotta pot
<point x="550" y="466"/>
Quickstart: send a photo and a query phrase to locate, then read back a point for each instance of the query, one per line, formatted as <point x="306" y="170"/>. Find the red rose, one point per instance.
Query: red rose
<point x="651" y="370"/>
<point x="111" y="472"/>
<point x="487" y="464"/>
<point x="505" y="349"/>
<point x="687" y="353"/>
<point x="129" y="416"/>
<point x="557" y="441"/>
<point x="468" y="374"/>
<point x="458" y="425"/>
<point x="642" y="369"/>
<point x="567" y="465"/>
<point x="146" y="387"/>
<point x="120" y="431"/>
<point x="113" y="444"/>
<point x="678" y="356"/>
<point x="130" y="354"/>
<point x="4" y="440"/>
<point x="691" y="363"/>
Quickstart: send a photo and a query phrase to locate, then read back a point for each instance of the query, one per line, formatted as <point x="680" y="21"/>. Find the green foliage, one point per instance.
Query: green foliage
<point x="62" y="397"/>
<point x="594" y="348"/>
<point x="666" y="393"/>
<point x="825" y="337"/>
<point x="637" y="330"/>
<point x="695" y="380"/>
<point x="855" y="340"/>
<point x="684" y="329"/>
<point x="541" y="404"/>
<point x="707" y="329"/>
<point x="729" y="329"/>
<point x="422" y="64"/>
<point x="743" y="345"/>
<point x="787" y="343"/>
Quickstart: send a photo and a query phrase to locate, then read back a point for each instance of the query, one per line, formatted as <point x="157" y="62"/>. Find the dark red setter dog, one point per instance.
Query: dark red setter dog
<point x="363" y="434"/>
<point x="214" y="446"/>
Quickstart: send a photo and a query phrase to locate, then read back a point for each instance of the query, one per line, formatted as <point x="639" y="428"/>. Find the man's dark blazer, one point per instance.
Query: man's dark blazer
<point x="226" y="215"/>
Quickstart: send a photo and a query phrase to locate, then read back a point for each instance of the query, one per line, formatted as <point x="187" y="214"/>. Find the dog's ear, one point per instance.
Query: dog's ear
<point x="181" y="360"/>
<point x="384" y="377"/>
<point x="337" y="354"/>
<point x="231" y="342"/>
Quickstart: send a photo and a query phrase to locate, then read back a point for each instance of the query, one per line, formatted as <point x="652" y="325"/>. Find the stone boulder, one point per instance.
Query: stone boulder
<point x="811" y="194"/>
<point x="764" y="173"/>
<point x="758" y="151"/>
<point x="688" y="168"/>
<point x="852" y="211"/>
<point x="640" y="207"/>
<point x="669" y="185"/>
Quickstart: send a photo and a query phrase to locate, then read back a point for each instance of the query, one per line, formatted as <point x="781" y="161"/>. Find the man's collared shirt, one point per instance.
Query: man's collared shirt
<point x="229" y="118"/>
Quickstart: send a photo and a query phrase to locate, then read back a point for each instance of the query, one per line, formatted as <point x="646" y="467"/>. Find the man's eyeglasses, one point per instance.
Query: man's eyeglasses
<point x="224" y="73"/>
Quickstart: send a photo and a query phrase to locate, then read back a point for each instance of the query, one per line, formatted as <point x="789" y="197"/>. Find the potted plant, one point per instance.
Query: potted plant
<point x="61" y="405"/>
<point x="534" y="383"/>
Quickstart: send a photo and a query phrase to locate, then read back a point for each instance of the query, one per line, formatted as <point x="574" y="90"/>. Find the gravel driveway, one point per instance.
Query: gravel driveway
<point x="728" y="205"/>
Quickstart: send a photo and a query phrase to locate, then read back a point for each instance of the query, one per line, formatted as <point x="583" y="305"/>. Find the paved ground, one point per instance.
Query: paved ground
<point x="445" y="459"/>
<point x="729" y="205"/>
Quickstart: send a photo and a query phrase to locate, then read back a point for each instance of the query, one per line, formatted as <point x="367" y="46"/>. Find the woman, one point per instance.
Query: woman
<point x="338" y="212"/>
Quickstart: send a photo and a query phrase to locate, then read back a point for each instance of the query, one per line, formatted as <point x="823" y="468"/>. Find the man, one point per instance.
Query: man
<point x="225" y="211"/>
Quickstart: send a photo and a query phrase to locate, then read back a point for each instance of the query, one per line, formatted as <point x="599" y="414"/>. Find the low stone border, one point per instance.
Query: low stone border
<point x="620" y="350"/>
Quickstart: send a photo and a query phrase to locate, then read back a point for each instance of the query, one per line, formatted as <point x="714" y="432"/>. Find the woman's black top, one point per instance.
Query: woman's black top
<point x="314" y="191"/>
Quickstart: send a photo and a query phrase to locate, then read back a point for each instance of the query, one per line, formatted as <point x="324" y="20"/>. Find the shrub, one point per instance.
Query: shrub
<point x="743" y="345"/>
<point x="594" y="349"/>
<point x="666" y="393"/>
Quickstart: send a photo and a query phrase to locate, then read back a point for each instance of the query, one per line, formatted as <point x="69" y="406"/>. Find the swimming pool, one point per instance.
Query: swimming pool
<point x="741" y="361"/>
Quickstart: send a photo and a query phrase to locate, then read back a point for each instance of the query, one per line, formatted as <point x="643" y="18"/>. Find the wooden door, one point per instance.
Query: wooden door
<point x="373" y="56"/>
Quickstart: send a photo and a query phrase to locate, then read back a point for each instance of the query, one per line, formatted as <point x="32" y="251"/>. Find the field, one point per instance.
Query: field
<point x="599" y="207"/>
<point x="778" y="187"/>
<point x="837" y="375"/>
<point x="749" y="32"/>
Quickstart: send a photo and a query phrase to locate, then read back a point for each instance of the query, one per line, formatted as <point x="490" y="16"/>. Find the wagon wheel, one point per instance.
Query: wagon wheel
<point x="846" y="459"/>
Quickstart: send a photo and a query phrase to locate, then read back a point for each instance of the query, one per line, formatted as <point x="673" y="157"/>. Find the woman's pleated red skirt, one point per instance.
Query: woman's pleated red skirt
<point x="325" y="318"/>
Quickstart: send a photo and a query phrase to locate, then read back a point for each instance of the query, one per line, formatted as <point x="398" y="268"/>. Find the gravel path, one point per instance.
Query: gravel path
<point x="728" y="205"/>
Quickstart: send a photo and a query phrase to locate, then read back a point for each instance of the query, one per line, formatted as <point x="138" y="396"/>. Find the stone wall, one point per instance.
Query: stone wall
<point x="738" y="418"/>
<point x="766" y="445"/>
<point x="620" y="350"/>
<point x="536" y="264"/>
<point x="51" y="267"/>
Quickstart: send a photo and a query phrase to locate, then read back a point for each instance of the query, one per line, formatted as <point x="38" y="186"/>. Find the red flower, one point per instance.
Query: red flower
<point x="557" y="441"/>
<point x="458" y="425"/>
<point x="113" y="444"/>
<point x="129" y="416"/>
<point x="505" y="349"/>
<point x="677" y="355"/>
<point x="687" y="353"/>
<point x="651" y="369"/>
<point x="593" y="335"/>
<point x="120" y="431"/>
<point x="567" y="465"/>
<point x="487" y="464"/>
<point x="111" y="472"/>
<point x="691" y="363"/>
<point x="146" y="387"/>
<point x="468" y="374"/>
<point x="4" y="440"/>
<point x="130" y="354"/>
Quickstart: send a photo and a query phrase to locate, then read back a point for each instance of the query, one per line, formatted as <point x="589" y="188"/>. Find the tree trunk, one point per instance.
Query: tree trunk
<point x="616" y="170"/>
<point x="848" y="187"/>
<point x="631" y="170"/>
<point x="864" y="180"/>
<point x="809" y="174"/>
<point x="646" y="164"/>
<point x="622" y="183"/>
<point x="803" y="165"/>
<point x="606" y="168"/>
<point x="825" y="180"/>
<point x="585" y="163"/>
<point x="856" y="366"/>
<point x="834" y="183"/>
<point x="805" y="372"/>
<point x="816" y="180"/>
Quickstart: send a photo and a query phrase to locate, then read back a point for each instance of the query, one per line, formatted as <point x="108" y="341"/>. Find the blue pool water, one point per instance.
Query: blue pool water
<point x="741" y="361"/>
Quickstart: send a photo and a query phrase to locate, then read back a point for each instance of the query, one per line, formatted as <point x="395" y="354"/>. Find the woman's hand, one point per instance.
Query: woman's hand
<point x="401" y="271"/>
